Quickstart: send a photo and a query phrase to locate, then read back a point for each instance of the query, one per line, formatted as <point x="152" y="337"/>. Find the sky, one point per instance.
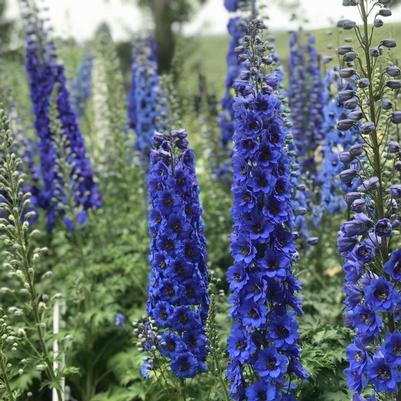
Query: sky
<point x="80" y="18"/>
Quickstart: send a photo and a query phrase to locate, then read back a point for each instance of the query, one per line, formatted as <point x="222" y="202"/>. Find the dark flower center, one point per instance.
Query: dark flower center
<point x="384" y="373"/>
<point x="163" y="315"/>
<point x="177" y="227"/>
<point x="257" y="228"/>
<point x="183" y="318"/>
<point x="253" y="314"/>
<point x="244" y="250"/>
<point x="358" y="356"/>
<point x="241" y="345"/>
<point x="254" y="125"/>
<point x="366" y="318"/>
<point x="237" y="277"/>
<point x="171" y="345"/>
<point x="184" y="366"/>
<point x="261" y="181"/>
<point x="280" y="187"/>
<point x="162" y="264"/>
<point x="283" y="332"/>
<point x="262" y="396"/>
<point x="169" y="245"/>
<point x="397" y="349"/>
<point x="381" y="294"/>
<point x="271" y="363"/>
<point x="246" y="198"/>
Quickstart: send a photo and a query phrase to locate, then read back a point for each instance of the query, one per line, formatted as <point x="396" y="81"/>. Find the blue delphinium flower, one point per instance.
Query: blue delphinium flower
<point x="368" y="240"/>
<point x="45" y="73"/>
<point x="177" y="294"/>
<point x="145" y="106"/>
<point x="81" y="85"/>
<point x="264" y="305"/>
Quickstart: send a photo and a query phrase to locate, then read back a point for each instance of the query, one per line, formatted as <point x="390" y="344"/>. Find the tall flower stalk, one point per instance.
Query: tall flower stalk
<point x="22" y="259"/>
<point x="368" y="240"/>
<point x="263" y="350"/>
<point x="146" y="100"/>
<point x="178" y="298"/>
<point x="44" y="72"/>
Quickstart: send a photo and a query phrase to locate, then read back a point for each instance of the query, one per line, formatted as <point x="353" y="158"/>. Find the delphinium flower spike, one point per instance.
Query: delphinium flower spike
<point x="44" y="72"/>
<point x="369" y="239"/>
<point x="263" y="351"/>
<point x="146" y="98"/>
<point x="81" y="85"/>
<point x="21" y="258"/>
<point x="306" y="103"/>
<point x="178" y="298"/>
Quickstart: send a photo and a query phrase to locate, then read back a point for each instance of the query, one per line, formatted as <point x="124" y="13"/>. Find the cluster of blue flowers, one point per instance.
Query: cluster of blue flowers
<point x="178" y="285"/>
<point x="146" y="109"/>
<point x="263" y="351"/>
<point x="368" y="240"/>
<point x="44" y="74"/>
<point x="81" y="86"/>
<point x="334" y="143"/>
<point x="227" y="124"/>
<point x="306" y="101"/>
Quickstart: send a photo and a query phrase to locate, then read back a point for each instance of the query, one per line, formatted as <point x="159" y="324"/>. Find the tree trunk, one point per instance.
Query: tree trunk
<point x="163" y="20"/>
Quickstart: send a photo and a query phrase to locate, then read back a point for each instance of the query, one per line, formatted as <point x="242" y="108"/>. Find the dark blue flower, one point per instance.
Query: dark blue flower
<point x="393" y="266"/>
<point x="383" y="375"/>
<point x="271" y="364"/>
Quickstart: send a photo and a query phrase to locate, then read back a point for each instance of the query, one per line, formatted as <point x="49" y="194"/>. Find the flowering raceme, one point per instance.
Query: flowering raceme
<point x="81" y="86"/>
<point x="368" y="241"/>
<point x="306" y="102"/>
<point x="177" y="295"/>
<point x="227" y="124"/>
<point x="44" y="74"/>
<point x="264" y="335"/>
<point x="146" y="106"/>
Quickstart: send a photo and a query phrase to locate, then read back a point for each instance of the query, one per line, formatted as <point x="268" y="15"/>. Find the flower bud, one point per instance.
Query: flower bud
<point x="363" y="83"/>
<point x="393" y="147"/>
<point x="358" y="205"/>
<point x="370" y="184"/>
<point x="351" y="197"/>
<point x="389" y="43"/>
<point x="351" y="104"/>
<point x="346" y="176"/>
<point x="386" y="104"/>
<point x="385" y="12"/>
<point x="345" y="95"/>
<point x="350" y="56"/>
<point x="393" y="71"/>
<point x="367" y="128"/>
<point x="356" y="150"/>
<point x="343" y="50"/>
<point x="347" y="72"/>
<point x="346" y="24"/>
<point x="345" y="125"/>
<point x="355" y="115"/>
<point x="378" y="23"/>
<point x="374" y="52"/>
<point x="396" y="117"/>
<point x="345" y="157"/>
<point x="395" y="191"/>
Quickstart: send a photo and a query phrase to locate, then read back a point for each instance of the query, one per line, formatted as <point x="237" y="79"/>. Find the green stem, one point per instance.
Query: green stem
<point x="6" y="380"/>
